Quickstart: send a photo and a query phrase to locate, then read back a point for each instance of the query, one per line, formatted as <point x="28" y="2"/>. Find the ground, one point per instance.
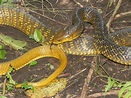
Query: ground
<point x="78" y="67"/>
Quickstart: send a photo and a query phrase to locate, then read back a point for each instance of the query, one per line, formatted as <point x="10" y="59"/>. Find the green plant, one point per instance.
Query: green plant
<point x="11" y="81"/>
<point x="25" y="86"/>
<point x="2" y="52"/>
<point x="125" y="88"/>
<point x="50" y="65"/>
<point x="37" y="35"/>
<point x="6" y="1"/>
<point x="32" y="63"/>
<point x="2" y="96"/>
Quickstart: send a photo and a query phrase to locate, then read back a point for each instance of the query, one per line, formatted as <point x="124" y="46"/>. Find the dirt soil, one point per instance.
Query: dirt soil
<point x="78" y="66"/>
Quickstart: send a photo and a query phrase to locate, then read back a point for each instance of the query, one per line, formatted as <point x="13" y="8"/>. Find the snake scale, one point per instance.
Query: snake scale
<point x="18" y="18"/>
<point x="116" y="46"/>
<point x="92" y="45"/>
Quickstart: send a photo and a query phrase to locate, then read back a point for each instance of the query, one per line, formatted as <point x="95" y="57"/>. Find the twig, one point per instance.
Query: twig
<point x="123" y="14"/>
<point x="88" y="78"/>
<point x="86" y="0"/>
<point x="49" y="18"/>
<point x="4" y="86"/>
<point x="42" y="6"/>
<point x="74" y="77"/>
<point x="95" y="95"/>
<point x="78" y="3"/>
<point x="50" y="4"/>
<point x="113" y="15"/>
<point x="77" y="74"/>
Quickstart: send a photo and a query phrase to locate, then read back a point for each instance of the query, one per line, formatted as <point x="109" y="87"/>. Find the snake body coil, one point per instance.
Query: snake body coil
<point x="36" y="53"/>
<point x="98" y="43"/>
<point x="18" y="18"/>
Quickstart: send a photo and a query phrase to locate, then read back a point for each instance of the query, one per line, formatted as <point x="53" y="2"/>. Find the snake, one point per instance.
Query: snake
<point x="20" y="19"/>
<point x="115" y="46"/>
<point x="17" y="18"/>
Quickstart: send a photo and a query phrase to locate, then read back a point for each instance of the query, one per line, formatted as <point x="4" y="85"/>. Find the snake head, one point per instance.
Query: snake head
<point x="66" y="35"/>
<point x="61" y="37"/>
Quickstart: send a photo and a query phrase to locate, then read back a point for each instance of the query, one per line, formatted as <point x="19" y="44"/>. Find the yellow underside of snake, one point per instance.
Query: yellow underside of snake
<point x="18" y="18"/>
<point x="36" y="53"/>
